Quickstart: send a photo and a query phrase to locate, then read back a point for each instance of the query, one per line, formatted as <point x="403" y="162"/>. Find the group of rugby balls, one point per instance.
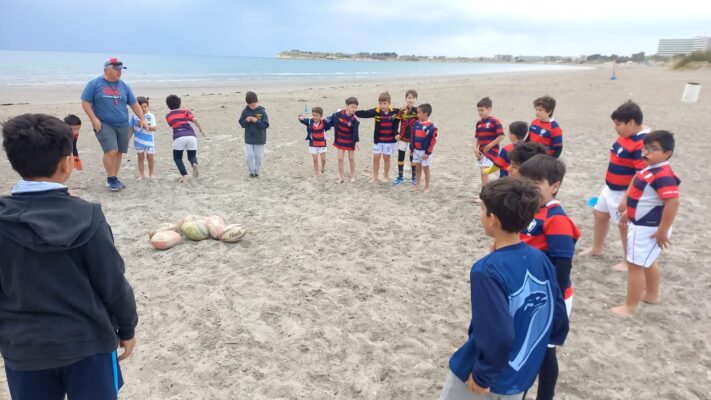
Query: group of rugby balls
<point x="195" y="227"/>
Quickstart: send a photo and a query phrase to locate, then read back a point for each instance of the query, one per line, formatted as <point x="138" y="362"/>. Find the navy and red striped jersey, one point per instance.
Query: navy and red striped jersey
<point x="386" y="123"/>
<point x="625" y="160"/>
<point x="345" y="130"/>
<point x="549" y="134"/>
<point x="554" y="233"/>
<point x="424" y="137"/>
<point x="179" y="120"/>
<point x="316" y="131"/>
<point x="503" y="161"/>
<point x="650" y="187"/>
<point x="408" y="118"/>
<point x="487" y="130"/>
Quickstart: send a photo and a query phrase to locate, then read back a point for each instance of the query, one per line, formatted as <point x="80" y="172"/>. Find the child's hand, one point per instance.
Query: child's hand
<point x="301" y="117"/>
<point x="357" y="147"/>
<point x="397" y="137"/>
<point x="487" y="148"/>
<point x="622" y="208"/>
<point x="662" y="238"/>
<point x="202" y="133"/>
<point x="426" y="156"/>
<point x="127" y="346"/>
<point x="624" y="219"/>
<point x="477" y="153"/>
<point x="471" y="383"/>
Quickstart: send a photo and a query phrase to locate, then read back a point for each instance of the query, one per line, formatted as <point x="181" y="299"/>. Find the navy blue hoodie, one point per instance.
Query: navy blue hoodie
<point x="63" y="295"/>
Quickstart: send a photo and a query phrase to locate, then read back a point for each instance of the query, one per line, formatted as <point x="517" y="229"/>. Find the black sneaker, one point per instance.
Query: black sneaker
<point x="121" y="185"/>
<point x="251" y="175"/>
<point x="256" y="175"/>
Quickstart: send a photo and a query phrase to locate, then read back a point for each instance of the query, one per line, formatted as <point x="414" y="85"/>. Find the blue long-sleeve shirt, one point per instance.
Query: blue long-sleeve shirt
<point x="517" y="310"/>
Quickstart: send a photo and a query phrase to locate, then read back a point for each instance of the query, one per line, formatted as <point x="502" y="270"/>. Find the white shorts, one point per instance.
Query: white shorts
<point x="383" y="148"/>
<point x="317" y="150"/>
<point x="403" y="146"/>
<point x="418" y="157"/>
<point x="568" y="308"/>
<point x="608" y="201"/>
<point x="185" y="143"/>
<point x="147" y="150"/>
<point x="642" y="248"/>
<point x="484" y="162"/>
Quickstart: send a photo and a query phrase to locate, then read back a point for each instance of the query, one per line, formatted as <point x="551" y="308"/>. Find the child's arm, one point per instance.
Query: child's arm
<point x="433" y="140"/>
<point x="496" y="141"/>
<point x="366" y="113"/>
<point x="152" y="126"/>
<point x="557" y="141"/>
<point x="671" y="207"/>
<point x="197" y="123"/>
<point x="306" y="122"/>
<point x="243" y="119"/>
<point x="264" y="121"/>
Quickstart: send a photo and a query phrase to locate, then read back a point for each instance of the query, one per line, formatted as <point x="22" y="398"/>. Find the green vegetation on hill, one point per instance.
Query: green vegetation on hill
<point x="694" y="58"/>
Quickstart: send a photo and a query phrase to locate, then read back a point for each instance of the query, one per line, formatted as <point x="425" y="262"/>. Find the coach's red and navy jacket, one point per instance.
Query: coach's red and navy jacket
<point x="487" y="130"/>
<point x="345" y="130"/>
<point x="424" y="137"/>
<point x="316" y="133"/>
<point x="625" y="161"/>
<point x="386" y="123"/>
<point x="554" y="233"/>
<point x="549" y="134"/>
<point x="408" y="118"/>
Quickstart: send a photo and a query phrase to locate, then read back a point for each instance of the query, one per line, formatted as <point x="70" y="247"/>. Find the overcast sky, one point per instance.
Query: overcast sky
<point x="431" y="27"/>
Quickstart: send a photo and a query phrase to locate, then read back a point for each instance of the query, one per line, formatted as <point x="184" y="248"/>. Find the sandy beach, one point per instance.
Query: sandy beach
<point x="357" y="291"/>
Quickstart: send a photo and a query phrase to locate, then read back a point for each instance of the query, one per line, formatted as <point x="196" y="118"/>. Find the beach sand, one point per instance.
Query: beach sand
<point x="357" y="291"/>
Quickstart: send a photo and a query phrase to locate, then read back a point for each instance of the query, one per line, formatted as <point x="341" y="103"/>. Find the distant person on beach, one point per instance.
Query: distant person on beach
<point x="386" y="127"/>
<point x="545" y="129"/>
<point x="105" y="100"/>
<point x="522" y="153"/>
<point x="555" y="234"/>
<point x="650" y="206"/>
<point x="487" y="135"/>
<point x="422" y="145"/>
<point x="625" y="161"/>
<point x="407" y="116"/>
<point x="143" y="139"/>
<point x="75" y="123"/>
<point x="516" y="306"/>
<point x="184" y="138"/>
<point x="502" y="162"/>
<point x="255" y="122"/>
<point x="345" y="136"/>
<point x="65" y="304"/>
<point x="316" y="128"/>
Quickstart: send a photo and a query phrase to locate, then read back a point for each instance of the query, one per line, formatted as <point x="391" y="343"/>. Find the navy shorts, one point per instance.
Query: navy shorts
<point x="97" y="377"/>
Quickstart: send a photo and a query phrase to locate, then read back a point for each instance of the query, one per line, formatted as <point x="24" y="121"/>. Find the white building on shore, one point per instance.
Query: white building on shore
<point x="672" y="47"/>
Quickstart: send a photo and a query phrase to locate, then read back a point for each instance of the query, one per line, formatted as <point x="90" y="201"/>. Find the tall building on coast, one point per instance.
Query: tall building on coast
<point x="672" y="47"/>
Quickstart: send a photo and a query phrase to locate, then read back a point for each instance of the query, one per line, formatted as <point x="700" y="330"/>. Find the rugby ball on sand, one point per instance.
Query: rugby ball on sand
<point x="164" y="240"/>
<point x="163" y="227"/>
<point x="191" y="217"/>
<point x="233" y="233"/>
<point x="215" y="225"/>
<point x="195" y="230"/>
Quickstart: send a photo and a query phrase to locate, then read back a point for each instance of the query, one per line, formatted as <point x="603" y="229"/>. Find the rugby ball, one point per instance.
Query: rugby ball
<point x="163" y="227"/>
<point x="164" y="240"/>
<point x="191" y="217"/>
<point x="233" y="233"/>
<point x="195" y="230"/>
<point x="215" y="225"/>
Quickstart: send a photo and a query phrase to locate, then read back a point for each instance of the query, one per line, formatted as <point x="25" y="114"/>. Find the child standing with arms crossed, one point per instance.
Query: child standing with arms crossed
<point x="316" y="128"/>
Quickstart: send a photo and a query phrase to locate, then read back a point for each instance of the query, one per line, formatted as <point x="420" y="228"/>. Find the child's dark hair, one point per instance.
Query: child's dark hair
<point x="543" y="167"/>
<point x="385" y="96"/>
<point x="518" y="129"/>
<point x="142" y="100"/>
<point x="36" y="143"/>
<point x="522" y="152"/>
<point x="545" y="102"/>
<point x="514" y="201"/>
<point x="251" y="98"/>
<point x="72" y="120"/>
<point x="485" y="102"/>
<point x="664" y="138"/>
<point x="425" y="108"/>
<point x="351" y="100"/>
<point x="173" y="102"/>
<point x="317" y="110"/>
<point x="411" y="92"/>
<point x="626" y="112"/>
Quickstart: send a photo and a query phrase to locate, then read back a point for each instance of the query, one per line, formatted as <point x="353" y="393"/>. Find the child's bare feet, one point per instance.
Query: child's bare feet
<point x="183" y="179"/>
<point x="623" y="310"/>
<point x="650" y="299"/>
<point x="427" y="190"/>
<point x="591" y="252"/>
<point x="415" y="189"/>
<point x="140" y="178"/>
<point x="339" y="180"/>
<point x="352" y="180"/>
<point x="323" y="170"/>
<point x="622" y="267"/>
<point x="151" y="177"/>
<point x="372" y="180"/>
<point x="385" y="179"/>
<point x="196" y="172"/>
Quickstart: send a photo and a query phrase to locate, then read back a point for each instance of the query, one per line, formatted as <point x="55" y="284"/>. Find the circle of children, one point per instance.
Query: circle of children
<point x="65" y="305"/>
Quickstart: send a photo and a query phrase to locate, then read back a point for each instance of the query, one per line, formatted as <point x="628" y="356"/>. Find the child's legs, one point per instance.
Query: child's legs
<point x="351" y="162"/>
<point x="151" y="163"/>
<point x="484" y="177"/>
<point x="414" y="169"/>
<point x="602" y="225"/>
<point x="636" y="283"/>
<point x="418" y="174"/>
<point x="249" y="150"/>
<point x="376" y="164"/>
<point x="548" y="375"/>
<point x="140" y="156"/>
<point x="314" y="158"/>
<point x="341" y="156"/>
<point x="400" y="161"/>
<point x="427" y="176"/>
<point x="178" y="158"/>
<point x="623" y="237"/>
<point x="386" y="165"/>
<point x="651" y="278"/>
<point x="43" y="384"/>
<point x="192" y="157"/>
<point x="323" y="162"/>
<point x="258" y="158"/>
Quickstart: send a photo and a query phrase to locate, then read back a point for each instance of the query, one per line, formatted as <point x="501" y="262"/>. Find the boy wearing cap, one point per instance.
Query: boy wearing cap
<point x="105" y="100"/>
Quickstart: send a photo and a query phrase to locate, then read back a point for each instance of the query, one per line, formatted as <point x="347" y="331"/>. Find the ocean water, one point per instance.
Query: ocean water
<point x="52" y="68"/>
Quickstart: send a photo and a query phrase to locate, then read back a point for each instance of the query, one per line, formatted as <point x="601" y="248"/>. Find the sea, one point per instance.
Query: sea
<point x="21" y="68"/>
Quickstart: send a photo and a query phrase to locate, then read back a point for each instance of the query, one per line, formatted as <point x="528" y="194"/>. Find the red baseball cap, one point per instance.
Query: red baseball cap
<point x="114" y="61"/>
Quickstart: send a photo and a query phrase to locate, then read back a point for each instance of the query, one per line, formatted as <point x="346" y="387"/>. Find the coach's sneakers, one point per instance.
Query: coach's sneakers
<point x="113" y="184"/>
<point x="398" y="181"/>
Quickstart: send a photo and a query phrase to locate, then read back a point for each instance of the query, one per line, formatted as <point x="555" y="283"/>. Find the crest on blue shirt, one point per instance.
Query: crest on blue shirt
<point x="532" y="311"/>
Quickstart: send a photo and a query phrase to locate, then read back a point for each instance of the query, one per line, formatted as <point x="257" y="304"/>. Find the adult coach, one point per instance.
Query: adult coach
<point x="105" y="100"/>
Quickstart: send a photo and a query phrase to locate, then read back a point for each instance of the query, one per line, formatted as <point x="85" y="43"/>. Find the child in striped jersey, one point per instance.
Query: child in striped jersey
<point x="408" y="117"/>
<point x="386" y="125"/>
<point x="650" y="206"/>
<point x="424" y="138"/>
<point x="517" y="133"/>
<point x="487" y="136"/>
<point x="316" y="128"/>
<point x="184" y="138"/>
<point x="545" y="129"/>
<point x="554" y="233"/>
<point x="143" y="141"/>
<point x="625" y="161"/>
<point x="345" y="136"/>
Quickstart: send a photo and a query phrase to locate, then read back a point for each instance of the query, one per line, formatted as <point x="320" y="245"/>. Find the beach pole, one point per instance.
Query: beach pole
<point x="614" y="70"/>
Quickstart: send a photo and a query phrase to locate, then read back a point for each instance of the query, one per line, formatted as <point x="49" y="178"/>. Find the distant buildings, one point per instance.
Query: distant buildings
<point x="672" y="47"/>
